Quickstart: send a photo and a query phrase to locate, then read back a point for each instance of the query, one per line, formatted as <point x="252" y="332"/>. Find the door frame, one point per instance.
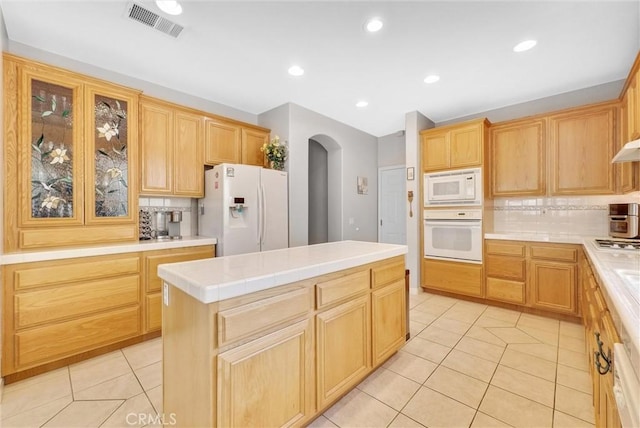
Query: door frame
<point x="380" y="170"/>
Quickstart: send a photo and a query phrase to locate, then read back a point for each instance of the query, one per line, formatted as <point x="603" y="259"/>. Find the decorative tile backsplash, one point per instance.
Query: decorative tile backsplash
<point x="584" y="215"/>
<point x="188" y="206"/>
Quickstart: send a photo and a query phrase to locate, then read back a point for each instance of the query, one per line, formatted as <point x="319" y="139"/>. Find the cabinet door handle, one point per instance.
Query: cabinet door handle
<point x="603" y="369"/>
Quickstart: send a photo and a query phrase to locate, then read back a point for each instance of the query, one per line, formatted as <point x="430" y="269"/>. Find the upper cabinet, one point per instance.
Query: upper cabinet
<point x="582" y="144"/>
<point x="518" y="158"/>
<point x="228" y="142"/>
<point x="71" y="158"/>
<point x="455" y="146"/>
<point x="171" y="149"/>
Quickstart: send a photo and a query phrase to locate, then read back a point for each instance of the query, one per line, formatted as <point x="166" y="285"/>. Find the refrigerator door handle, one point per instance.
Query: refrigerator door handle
<point x="259" y="237"/>
<point x="263" y="208"/>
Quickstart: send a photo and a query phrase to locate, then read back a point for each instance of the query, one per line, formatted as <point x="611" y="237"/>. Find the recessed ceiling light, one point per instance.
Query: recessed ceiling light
<point x="296" y="70"/>
<point x="361" y="104"/>
<point x="524" y="46"/>
<point x="171" y="7"/>
<point x="432" y="78"/>
<point x="373" y="25"/>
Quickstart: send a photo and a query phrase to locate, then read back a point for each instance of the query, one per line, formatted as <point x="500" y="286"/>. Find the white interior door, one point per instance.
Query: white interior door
<point x="391" y="206"/>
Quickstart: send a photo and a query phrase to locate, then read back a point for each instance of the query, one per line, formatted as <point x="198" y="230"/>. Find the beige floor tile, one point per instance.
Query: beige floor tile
<point x="410" y="366"/>
<point x="120" y="388"/>
<point x="539" y="322"/>
<point x="548" y="337"/>
<point x="470" y="365"/>
<point x="391" y="388"/>
<point x="433" y="409"/>
<point x="572" y="344"/>
<point x="84" y="414"/>
<point x="415" y="328"/>
<point x="155" y="396"/>
<point x="150" y="376"/>
<point x="47" y="377"/>
<point x="458" y="386"/>
<point x="482" y="333"/>
<point x="515" y="410"/>
<point x="574" y="403"/>
<point x="471" y="306"/>
<point x="572" y="329"/>
<point x="562" y="420"/>
<point x="485" y="421"/>
<point x="438" y="335"/>
<point x="541" y="350"/>
<point x="453" y="326"/>
<point x="443" y="300"/>
<point x="525" y="385"/>
<point x="98" y="370"/>
<point x="144" y="354"/>
<point x="358" y="409"/>
<point x="37" y="416"/>
<point x="576" y="360"/>
<point x="481" y="349"/>
<point x="575" y="379"/>
<point x="422" y="317"/>
<point x="462" y="314"/>
<point x="19" y="399"/>
<point x="321" y="422"/>
<point x="416" y="299"/>
<point x="130" y="411"/>
<point x="426" y="349"/>
<point x="512" y="335"/>
<point x="529" y="364"/>
<point x="402" y="421"/>
<point x="487" y="321"/>
<point x="502" y="314"/>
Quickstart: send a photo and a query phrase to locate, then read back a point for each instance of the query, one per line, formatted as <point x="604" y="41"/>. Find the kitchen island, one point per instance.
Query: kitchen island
<point x="275" y="338"/>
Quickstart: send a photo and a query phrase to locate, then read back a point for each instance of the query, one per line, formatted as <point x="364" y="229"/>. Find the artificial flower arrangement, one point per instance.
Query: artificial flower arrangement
<point x="276" y="153"/>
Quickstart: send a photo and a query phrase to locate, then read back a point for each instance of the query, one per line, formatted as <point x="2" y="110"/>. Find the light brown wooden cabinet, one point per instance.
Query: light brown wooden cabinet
<point x="222" y="142"/>
<point x="553" y="286"/>
<point x="506" y="271"/>
<point x="518" y="158"/>
<point x="582" y="143"/>
<point x="453" y="277"/>
<point x="388" y="321"/>
<point x="153" y="283"/>
<point x="252" y="141"/>
<point x="71" y="158"/>
<point x="454" y="146"/>
<point x="171" y="151"/>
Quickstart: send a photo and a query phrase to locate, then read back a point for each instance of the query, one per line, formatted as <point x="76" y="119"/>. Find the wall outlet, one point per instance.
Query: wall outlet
<point x="165" y="294"/>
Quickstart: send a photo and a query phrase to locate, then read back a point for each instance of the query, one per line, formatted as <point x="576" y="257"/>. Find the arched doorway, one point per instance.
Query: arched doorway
<point x="325" y="190"/>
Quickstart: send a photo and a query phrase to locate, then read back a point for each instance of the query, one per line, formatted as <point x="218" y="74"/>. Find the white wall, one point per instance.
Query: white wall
<point x="358" y="158"/>
<point x="391" y="149"/>
<point x="318" y="193"/>
<point x="148" y="88"/>
<point x="414" y="123"/>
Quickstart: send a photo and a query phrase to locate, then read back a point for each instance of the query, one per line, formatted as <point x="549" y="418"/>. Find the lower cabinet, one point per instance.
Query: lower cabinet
<point x="553" y="286"/>
<point x="343" y="348"/>
<point x="266" y="382"/>
<point x="454" y="277"/>
<point x="388" y="320"/>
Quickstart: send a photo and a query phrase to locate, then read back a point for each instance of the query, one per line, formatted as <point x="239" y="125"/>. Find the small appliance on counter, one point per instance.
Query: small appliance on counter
<point x="161" y="224"/>
<point x="624" y="221"/>
<point x="175" y="217"/>
<point x="144" y="224"/>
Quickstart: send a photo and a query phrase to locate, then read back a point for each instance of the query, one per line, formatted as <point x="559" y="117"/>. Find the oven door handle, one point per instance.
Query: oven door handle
<point x="453" y="222"/>
<point x="618" y="217"/>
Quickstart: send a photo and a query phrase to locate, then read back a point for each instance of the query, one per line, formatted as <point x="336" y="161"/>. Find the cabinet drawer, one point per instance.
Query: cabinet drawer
<point x="506" y="267"/>
<point x="506" y="291"/>
<point x="72" y="337"/>
<point x="567" y="254"/>
<point x="340" y="288"/>
<point x="246" y="320"/>
<point x="153" y="319"/>
<point x="462" y="278"/>
<point x="385" y="274"/>
<point x="505" y="248"/>
<point x="154" y="283"/>
<point x="72" y="270"/>
<point x="73" y="300"/>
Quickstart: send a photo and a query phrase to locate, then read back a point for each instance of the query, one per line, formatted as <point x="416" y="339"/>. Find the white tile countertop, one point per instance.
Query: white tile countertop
<point x="212" y="280"/>
<point x="101" y="250"/>
<point x="619" y="272"/>
<point x="559" y="238"/>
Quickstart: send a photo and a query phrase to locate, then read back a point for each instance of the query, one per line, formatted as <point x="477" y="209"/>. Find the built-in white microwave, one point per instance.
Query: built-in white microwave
<point x="453" y="188"/>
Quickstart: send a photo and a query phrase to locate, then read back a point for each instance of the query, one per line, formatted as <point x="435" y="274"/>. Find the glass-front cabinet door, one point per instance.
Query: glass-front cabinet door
<point x="51" y="168"/>
<point x="111" y="136"/>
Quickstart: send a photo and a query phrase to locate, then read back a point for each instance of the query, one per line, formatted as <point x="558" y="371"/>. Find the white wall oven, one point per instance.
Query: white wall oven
<point x="453" y="235"/>
<point x="453" y="188"/>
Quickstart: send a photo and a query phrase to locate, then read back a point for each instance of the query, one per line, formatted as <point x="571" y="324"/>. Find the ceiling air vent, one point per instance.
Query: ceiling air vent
<point x="153" y="20"/>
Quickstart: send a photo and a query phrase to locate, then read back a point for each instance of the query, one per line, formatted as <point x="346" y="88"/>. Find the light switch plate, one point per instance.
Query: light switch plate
<point x="165" y="294"/>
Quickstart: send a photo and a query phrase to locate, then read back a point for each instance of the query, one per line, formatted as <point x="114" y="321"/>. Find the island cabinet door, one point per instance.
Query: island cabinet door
<point x="343" y="348"/>
<point x="388" y="319"/>
<point x="268" y="382"/>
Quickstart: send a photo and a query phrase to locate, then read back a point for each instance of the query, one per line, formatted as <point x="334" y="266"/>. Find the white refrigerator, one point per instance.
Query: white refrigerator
<point x="246" y="208"/>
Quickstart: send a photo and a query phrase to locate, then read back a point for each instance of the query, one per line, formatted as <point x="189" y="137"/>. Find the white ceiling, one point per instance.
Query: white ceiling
<point x="237" y="53"/>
